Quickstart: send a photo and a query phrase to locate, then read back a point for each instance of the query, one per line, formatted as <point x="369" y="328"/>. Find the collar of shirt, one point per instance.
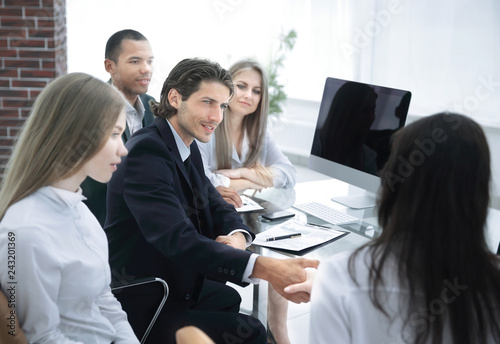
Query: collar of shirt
<point x="63" y="197"/>
<point x="245" y="146"/>
<point x="184" y="150"/>
<point x="135" y="115"/>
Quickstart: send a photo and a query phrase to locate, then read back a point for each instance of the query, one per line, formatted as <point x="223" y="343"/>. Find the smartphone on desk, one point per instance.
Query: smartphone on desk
<point x="278" y="215"/>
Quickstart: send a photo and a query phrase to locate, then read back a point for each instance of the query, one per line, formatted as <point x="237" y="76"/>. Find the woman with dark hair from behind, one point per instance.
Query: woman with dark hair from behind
<point x="429" y="277"/>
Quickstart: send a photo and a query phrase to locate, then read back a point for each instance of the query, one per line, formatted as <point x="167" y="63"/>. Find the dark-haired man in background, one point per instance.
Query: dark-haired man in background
<point x="129" y="62"/>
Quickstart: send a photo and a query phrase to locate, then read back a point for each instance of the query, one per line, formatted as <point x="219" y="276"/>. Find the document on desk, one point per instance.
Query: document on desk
<point x="310" y="236"/>
<point x="248" y="205"/>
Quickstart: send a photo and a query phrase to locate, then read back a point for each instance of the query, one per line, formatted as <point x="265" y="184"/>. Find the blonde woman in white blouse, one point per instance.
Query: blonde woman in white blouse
<point x="242" y="155"/>
<point x="57" y="275"/>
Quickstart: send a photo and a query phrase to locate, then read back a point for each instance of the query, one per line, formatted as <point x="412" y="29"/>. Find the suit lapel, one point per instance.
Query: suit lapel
<point x="168" y="137"/>
<point x="126" y="134"/>
<point x="188" y="187"/>
<point x="148" y="114"/>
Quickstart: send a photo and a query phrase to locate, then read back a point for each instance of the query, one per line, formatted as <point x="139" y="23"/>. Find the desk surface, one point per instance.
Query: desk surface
<point x="319" y="191"/>
<point x="322" y="191"/>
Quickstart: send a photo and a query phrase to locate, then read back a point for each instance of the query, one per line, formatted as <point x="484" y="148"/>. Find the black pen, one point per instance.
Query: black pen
<point x="289" y="236"/>
<point x="316" y="225"/>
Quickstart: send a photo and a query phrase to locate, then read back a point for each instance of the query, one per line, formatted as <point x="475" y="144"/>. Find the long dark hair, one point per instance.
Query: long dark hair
<point x="432" y="208"/>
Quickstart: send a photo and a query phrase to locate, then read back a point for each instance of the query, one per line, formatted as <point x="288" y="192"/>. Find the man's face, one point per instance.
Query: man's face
<point x="132" y="72"/>
<point x="198" y="116"/>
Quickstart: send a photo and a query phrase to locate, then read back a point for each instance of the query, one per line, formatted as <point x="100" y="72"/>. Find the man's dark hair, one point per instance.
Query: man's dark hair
<point x="186" y="78"/>
<point x="114" y="44"/>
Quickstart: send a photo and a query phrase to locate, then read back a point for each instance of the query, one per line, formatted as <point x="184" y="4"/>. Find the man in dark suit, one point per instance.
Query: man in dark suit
<point x="165" y="219"/>
<point x="129" y="61"/>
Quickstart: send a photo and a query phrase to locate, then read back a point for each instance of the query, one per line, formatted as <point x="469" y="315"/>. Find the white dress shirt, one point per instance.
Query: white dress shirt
<point x="58" y="275"/>
<point x="135" y="115"/>
<point x="342" y="311"/>
<point x="283" y="172"/>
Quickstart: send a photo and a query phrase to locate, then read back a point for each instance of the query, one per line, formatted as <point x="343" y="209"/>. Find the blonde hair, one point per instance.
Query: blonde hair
<point x="254" y="124"/>
<point x="68" y="124"/>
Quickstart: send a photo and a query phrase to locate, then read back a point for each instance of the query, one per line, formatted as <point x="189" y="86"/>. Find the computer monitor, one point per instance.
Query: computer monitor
<point x="353" y="134"/>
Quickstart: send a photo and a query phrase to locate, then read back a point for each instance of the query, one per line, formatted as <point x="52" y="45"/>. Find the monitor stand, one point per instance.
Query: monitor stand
<point x="360" y="201"/>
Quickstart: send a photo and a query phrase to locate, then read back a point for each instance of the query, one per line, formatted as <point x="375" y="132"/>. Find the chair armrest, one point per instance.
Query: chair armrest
<point x="119" y="285"/>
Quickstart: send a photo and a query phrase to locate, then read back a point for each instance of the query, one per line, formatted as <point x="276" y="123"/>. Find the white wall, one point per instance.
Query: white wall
<point x="221" y="30"/>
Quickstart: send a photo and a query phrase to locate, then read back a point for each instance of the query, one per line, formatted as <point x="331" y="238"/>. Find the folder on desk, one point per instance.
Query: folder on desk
<point x="248" y="205"/>
<point x="310" y="237"/>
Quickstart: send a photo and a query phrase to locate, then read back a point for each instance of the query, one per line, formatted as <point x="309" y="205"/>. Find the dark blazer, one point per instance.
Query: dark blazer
<point x="162" y="223"/>
<point x="95" y="191"/>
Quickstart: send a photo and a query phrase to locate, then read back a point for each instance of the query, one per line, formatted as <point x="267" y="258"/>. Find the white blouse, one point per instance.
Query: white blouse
<point x="57" y="274"/>
<point x="342" y="311"/>
<point x="284" y="173"/>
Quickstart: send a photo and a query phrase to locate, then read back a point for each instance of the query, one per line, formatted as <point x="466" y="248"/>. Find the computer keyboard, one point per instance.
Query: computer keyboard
<point x="326" y="213"/>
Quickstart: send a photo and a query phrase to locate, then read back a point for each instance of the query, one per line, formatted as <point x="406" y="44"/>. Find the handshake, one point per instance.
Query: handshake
<point x="291" y="278"/>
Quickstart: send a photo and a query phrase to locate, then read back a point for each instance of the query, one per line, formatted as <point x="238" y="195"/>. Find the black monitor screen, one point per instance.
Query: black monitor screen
<point x="356" y="122"/>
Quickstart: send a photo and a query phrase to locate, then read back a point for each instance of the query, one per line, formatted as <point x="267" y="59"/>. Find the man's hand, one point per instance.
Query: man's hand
<point x="284" y="272"/>
<point x="304" y="286"/>
<point x="230" y="196"/>
<point x="236" y="240"/>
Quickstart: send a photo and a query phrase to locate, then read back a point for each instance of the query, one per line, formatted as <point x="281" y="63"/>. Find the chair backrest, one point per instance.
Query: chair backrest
<point x="10" y="331"/>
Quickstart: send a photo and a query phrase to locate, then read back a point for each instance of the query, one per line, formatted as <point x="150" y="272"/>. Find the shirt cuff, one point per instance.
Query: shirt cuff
<point x="249" y="269"/>
<point x="225" y="181"/>
<point x="247" y="235"/>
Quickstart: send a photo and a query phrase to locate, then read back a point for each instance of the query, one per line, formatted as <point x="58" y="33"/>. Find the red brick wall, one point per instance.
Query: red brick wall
<point x="32" y="53"/>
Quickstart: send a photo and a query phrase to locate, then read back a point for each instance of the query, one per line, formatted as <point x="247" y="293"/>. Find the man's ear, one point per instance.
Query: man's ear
<point x="174" y="98"/>
<point x="110" y="66"/>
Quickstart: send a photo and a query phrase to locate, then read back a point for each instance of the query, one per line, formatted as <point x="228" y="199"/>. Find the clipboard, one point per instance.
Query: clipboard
<point x="311" y="236"/>
<point x="248" y="205"/>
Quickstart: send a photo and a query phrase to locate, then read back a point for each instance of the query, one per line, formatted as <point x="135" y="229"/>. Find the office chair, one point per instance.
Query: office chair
<point x="117" y="285"/>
